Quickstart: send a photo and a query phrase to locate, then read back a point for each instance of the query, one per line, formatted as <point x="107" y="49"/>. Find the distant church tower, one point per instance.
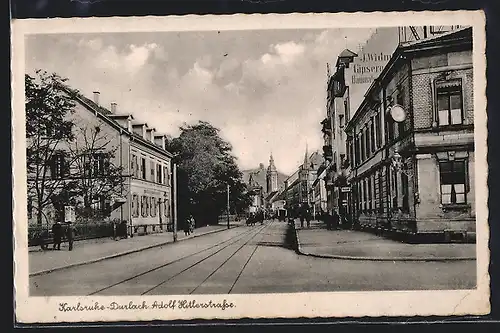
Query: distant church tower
<point x="272" y="176"/>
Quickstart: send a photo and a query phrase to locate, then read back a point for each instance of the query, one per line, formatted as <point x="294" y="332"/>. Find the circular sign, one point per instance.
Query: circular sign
<point x="398" y="113"/>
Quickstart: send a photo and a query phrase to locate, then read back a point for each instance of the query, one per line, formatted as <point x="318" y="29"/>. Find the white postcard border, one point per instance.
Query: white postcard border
<point x="321" y="304"/>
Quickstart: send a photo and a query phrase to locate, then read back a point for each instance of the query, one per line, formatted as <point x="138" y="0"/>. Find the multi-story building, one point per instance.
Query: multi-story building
<point x="318" y="193"/>
<point x="334" y="149"/>
<point x="412" y="141"/>
<point x="143" y="196"/>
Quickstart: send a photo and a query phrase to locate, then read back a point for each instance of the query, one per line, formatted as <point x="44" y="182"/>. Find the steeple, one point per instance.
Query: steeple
<point x="272" y="176"/>
<point x="306" y="157"/>
<point x="271" y="166"/>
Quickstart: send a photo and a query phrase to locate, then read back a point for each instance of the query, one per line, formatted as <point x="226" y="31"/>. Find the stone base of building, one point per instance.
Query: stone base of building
<point x="421" y="231"/>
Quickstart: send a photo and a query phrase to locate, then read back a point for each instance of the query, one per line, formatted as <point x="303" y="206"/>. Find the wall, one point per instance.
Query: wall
<point x="430" y="214"/>
<point x="422" y="78"/>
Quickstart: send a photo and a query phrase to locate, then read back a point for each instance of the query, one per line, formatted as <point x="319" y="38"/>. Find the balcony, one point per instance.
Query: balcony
<point x="327" y="127"/>
<point x="328" y="152"/>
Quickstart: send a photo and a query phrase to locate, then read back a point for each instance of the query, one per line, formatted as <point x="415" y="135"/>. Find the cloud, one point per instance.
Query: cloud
<point x="266" y="94"/>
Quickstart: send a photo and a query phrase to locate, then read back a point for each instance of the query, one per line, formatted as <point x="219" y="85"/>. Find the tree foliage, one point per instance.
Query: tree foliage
<point x="47" y="127"/>
<point x="68" y="162"/>
<point x="206" y="167"/>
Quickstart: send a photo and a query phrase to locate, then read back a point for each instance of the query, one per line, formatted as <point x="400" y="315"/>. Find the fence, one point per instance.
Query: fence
<point x="42" y="235"/>
<point x="232" y="218"/>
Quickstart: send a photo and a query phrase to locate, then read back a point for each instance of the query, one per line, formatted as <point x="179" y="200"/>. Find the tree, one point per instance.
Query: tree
<point x="47" y="127"/>
<point x="205" y="167"/>
<point x="94" y="177"/>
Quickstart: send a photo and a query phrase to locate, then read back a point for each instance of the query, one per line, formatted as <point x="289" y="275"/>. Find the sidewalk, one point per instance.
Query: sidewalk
<point x="317" y="241"/>
<point x="89" y="251"/>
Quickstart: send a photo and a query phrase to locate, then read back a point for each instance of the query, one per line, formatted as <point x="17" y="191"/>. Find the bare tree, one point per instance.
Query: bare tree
<point x="95" y="178"/>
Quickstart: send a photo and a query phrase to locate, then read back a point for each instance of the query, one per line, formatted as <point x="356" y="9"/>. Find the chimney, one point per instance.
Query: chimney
<point x="113" y="108"/>
<point x="96" y="97"/>
<point x="129" y="124"/>
<point x="160" y="140"/>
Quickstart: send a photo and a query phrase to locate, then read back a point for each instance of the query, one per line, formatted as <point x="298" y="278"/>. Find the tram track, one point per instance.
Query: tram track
<point x="223" y="245"/>
<point x="230" y="257"/>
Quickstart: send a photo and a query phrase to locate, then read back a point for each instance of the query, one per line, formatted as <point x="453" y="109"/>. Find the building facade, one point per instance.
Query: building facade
<point x="105" y="140"/>
<point x="412" y="142"/>
<point x="334" y="150"/>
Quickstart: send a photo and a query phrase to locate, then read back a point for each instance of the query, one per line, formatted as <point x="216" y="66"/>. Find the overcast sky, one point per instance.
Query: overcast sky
<point x="264" y="89"/>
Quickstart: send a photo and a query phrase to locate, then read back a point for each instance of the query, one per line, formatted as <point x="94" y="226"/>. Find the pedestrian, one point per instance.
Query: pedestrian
<point x="308" y="219"/>
<point x="57" y="232"/>
<point x="70" y="234"/>
<point x="191" y="224"/>
<point x="187" y="227"/>
<point x="335" y="220"/>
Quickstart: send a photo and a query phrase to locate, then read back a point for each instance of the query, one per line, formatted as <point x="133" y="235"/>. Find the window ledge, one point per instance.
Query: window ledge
<point x="455" y="207"/>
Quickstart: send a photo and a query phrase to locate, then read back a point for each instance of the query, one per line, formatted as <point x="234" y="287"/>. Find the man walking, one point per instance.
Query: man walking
<point x="70" y="234"/>
<point x="57" y="233"/>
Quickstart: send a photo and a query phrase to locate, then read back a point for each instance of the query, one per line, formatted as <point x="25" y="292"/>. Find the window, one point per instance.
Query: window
<point x="369" y="193"/>
<point x="359" y="196"/>
<point x="378" y="130"/>
<point x="453" y="175"/>
<point x="373" y="189"/>
<point x="406" y="192"/>
<point x="132" y="165"/>
<point x="449" y="106"/>
<point x="367" y="142"/>
<point x="152" y="166"/>
<point x="158" y="173"/>
<point x="144" y="206"/>
<point x="380" y="197"/>
<point x="362" y="145"/>
<point x="351" y="152"/>
<point x="357" y="150"/>
<point x="372" y="137"/>
<point x="100" y="164"/>
<point x="153" y="206"/>
<point x="135" y="205"/>
<point x="166" y="176"/>
<point x="390" y="127"/>
<point x="59" y="167"/>
<point x="394" y="189"/>
<point x="143" y="168"/>
<point x="166" y="203"/>
<point x="364" y="195"/>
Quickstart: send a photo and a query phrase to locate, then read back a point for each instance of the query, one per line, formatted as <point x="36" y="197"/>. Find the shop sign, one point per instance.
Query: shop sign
<point x="345" y="189"/>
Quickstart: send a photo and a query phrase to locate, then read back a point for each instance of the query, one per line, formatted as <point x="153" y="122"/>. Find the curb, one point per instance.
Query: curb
<point x="116" y="255"/>
<point x="299" y="251"/>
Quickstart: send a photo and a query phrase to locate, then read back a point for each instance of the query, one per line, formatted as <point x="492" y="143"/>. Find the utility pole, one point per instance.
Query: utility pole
<point x="174" y="199"/>
<point x="228" y="206"/>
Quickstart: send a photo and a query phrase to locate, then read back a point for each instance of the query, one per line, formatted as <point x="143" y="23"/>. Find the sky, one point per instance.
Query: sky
<point x="264" y="89"/>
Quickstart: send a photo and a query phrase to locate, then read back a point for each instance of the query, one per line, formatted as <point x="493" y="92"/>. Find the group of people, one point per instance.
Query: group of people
<point x="58" y="232"/>
<point x="256" y="217"/>
<point x="189" y="226"/>
<point x="333" y="220"/>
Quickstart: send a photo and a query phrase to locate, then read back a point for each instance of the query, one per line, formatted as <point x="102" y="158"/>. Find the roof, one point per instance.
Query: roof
<point x="455" y="37"/>
<point x="108" y="117"/>
<point x="345" y="54"/>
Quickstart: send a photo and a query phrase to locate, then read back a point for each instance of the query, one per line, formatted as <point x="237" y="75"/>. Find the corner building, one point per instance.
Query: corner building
<point x="430" y="192"/>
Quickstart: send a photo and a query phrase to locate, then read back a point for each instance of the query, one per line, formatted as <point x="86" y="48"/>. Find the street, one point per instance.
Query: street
<point x="245" y="260"/>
